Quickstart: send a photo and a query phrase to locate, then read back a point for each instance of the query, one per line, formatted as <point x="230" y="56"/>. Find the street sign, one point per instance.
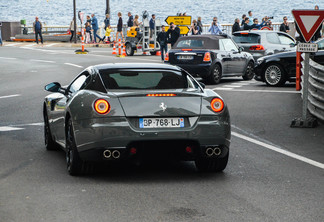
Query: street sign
<point x="307" y="47"/>
<point x="308" y="21"/>
<point x="179" y="20"/>
<point x="183" y="29"/>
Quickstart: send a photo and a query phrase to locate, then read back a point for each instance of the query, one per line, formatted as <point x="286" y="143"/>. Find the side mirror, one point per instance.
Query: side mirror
<point x="202" y="85"/>
<point x="53" y="87"/>
<point x="292" y="45"/>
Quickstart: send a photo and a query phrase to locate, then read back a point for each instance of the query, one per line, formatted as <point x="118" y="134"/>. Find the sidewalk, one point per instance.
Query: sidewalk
<point x="56" y="44"/>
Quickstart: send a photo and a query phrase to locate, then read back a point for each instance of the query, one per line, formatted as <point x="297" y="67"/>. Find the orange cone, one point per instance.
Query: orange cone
<point x="119" y="48"/>
<point x="124" y="50"/>
<point x="158" y="53"/>
<point x="114" y="50"/>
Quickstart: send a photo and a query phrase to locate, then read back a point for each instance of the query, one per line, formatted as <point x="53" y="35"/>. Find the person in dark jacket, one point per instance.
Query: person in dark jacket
<point x="37" y="26"/>
<point x="152" y="25"/>
<point x="95" y="27"/>
<point x="236" y="26"/>
<point x="163" y="40"/>
<point x="194" y="28"/>
<point x="107" y="21"/>
<point x="246" y="25"/>
<point x="130" y="22"/>
<point x="284" y="27"/>
<point x="199" y="23"/>
<point x="243" y="19"/>
<point x="173" y="33"/>
<point x="120" y="26"/>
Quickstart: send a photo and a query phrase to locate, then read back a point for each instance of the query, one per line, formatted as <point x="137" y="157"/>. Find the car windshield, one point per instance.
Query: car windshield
<point x="246" y="38"/>
<point x="143" y="79"/>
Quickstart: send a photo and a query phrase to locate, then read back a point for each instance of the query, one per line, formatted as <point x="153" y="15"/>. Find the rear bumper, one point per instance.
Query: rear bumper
<point x="95" y="136"/>
<point x="202" y="70"/>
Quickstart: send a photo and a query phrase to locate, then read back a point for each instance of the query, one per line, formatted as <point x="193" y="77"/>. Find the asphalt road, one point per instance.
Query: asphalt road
<point x="275" y="173"/>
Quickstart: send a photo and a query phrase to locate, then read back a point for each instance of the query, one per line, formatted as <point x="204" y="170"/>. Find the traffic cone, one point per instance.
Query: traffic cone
<point x="124" y="50"/>
<point x="114" y="49"/>
<point x="158" y="53"/>
<point x="119" y="48"/>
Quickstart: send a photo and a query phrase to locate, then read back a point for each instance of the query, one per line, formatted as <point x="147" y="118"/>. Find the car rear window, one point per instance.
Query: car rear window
<point x="201" y="43"/>
<point x="143" y="79"/>
<point x="190" y="43"/>
<point x="246" y="38"/>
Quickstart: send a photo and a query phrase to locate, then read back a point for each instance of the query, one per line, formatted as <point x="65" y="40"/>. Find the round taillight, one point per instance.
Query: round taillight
<point x="217" y="105"/>
<point x="102" y="106"/>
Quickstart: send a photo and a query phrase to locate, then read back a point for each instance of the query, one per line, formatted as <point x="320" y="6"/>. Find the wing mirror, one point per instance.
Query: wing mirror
<point x="53" y="87"/>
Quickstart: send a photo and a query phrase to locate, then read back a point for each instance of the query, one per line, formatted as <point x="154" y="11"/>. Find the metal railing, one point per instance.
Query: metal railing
<point x="315" y="98"/>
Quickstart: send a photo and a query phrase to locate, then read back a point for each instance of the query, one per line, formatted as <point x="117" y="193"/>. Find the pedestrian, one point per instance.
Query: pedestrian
<point x="256" y="24"/>
<point x="194" y="29"/>
<point x="136" y="22"/>
<point x="37" y="26"/>
<point x="95" y="27"/>
<point x="246" y="25"/>
<point x="236" y="26"/>
<point x="88" y="32"/>
<point x="215" y="28"/>
<point x="71" y="28"/>
<point x="152" y="25"/>
<point x="243" y="19"/>
<point x="130" y="22"/>
<point x="120" y="26"/>
<point x="107" y="21"/>
<point x="199" y="23"/>
<point x="284" y="27"/>
<point x="107" y="34"/>
<point x="250" y="18"/>
<point x="163" y="40"/>
<point x="173" y="33"/>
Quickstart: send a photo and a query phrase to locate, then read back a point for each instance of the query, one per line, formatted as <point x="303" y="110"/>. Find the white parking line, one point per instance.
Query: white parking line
<point x="49" y="45"/>
<point x="7" y="58"/>
<point x="37" y="60"/>
<point x="233" y="86"/>
<point x="13" y="44"/>
<point x="279" y="150"/>
<point x="259" y="90"/>
<point x="9" y="128"/>
<point x="9" y="96"/>
<point x="71" y="64"/>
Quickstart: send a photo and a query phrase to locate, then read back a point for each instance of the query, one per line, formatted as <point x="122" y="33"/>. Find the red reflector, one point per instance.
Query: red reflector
<point x="188" y="149"/>
<point x="257" y="47"/>
<point x="186" y="49"/>
<point x="133" y="150"/>
<point x="217" y="105"/>
<point x="161" y="94"/>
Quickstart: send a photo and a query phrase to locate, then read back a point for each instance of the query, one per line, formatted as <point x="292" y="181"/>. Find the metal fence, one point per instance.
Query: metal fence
<point x="315" y="98"/>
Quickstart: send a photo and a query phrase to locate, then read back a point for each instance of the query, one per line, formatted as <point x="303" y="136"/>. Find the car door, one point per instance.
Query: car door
<point x="61" y="105"/>
<point x="237" y="60"/>
<point x="287" y="42"/>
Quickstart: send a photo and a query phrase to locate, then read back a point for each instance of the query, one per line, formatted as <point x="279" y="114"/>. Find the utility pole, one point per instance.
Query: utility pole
<point x="75" y="24"/>
<point x="107" y="7"/>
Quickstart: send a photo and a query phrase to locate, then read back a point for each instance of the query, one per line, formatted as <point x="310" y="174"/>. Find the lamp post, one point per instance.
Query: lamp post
<point x="75" y="24"/>
<point x="107" y="7"/>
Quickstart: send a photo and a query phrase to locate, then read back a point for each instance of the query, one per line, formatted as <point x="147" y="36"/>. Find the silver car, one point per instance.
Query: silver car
<point x="264" y="42"/>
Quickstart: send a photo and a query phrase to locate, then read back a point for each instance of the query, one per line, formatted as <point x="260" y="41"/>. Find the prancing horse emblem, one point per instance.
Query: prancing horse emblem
<point x="163" y="106"/>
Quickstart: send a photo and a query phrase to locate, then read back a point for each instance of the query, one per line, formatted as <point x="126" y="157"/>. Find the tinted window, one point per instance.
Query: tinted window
<point x="321" y="45"/>
<point x="79" y="83"/>
<point x="190" y="43"/>
<point x="246" y="38"/>
<point x="143" y="79"/>
<point x="285" y="40"/>
<point x="273" y="38"/>
<point x="228" y="45"/>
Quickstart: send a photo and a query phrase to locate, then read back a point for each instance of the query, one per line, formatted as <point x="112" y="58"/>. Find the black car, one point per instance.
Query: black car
<point x="276" y="69"/>
<point x="211" y="57"/>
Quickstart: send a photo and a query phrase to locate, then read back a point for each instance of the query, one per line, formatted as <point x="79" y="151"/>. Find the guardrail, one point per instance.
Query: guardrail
<point x="315" y="90"/>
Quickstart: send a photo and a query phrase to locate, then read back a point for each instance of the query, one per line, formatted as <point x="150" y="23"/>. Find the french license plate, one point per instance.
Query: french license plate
<point x="185" y="57"/>
<point x="161" y="122"/>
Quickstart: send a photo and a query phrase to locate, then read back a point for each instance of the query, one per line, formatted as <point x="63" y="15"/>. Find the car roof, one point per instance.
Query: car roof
<point x="209" y="36"/>
<point x="135" y="66"/>
<point x="258" y="31"/>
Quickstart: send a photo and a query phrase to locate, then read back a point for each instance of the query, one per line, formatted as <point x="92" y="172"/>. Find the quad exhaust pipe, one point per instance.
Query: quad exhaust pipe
<point x="111" y="154"/>
<point x="210" y="151"/>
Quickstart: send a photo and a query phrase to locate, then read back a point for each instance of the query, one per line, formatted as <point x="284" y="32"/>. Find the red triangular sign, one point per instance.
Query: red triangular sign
<point x="308" y="21"/>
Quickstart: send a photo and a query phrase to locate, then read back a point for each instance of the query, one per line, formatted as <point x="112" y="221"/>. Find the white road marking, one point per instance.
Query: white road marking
<point x="9" y="96"/>
<point x="279" y="150"/>
<point x="220" y="88"/>
<point x="7" y="58"/>
<point x="37" y="60"/>
<point x="13" y="44"/>
<point x="233" y="86"/>
<point x="9" y="128"/>
<point x="260" y="90"/>
<point x="30" y="45"/>
<point x="241" y="83"/>
<point x="49" y="45"/>
<point x="71" y="64"/>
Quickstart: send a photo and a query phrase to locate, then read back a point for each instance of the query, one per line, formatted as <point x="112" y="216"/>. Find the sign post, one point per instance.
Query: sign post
<point x="308" y="22"/>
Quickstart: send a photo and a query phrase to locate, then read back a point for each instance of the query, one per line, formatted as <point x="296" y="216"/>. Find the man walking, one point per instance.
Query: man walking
<point x="95" y="27"/>
<point x="163" y="40"/>
<point x="174" y="33"/>
<point x="152" y="25"/>
<point x="215" y="28"/>
<point x="130" y="22"/>
<point x="37" y="26"/>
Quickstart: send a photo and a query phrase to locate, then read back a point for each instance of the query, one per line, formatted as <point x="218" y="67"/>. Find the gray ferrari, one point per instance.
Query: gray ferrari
<point x="125" y="112"/>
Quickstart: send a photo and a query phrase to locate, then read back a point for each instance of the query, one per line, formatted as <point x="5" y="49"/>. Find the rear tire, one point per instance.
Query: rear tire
<point x="129" y="49"/>
<point x="274" y="75"/>
<point x="211" y="165"/>
<point x="215" y="74"/>
<point x="50" y="144"/>
<point x="249" y="72"/>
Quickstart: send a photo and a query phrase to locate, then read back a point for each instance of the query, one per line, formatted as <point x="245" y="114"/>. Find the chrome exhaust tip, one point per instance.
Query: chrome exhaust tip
<point x="209" y="151"/>
<point x="217" y="151"/>
<point x="116" y="154"/>
<point x="107" y="154"/>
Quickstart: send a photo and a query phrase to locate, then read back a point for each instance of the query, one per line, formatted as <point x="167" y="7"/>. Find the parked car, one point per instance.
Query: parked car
<point x="211" y="57"/>
<point x="116" y="112"/>
<point x="276" y="69"/>
<point x="264" y="42"/>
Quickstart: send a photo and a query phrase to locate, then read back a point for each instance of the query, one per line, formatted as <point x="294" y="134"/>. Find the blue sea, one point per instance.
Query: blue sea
<point x="60" y="12"/>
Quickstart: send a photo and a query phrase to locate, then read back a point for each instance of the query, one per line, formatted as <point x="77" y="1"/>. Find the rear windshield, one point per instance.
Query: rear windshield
<point x="246" y="38"/>
<point x="143" y="79"/>
<point x="203" y="43"/>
